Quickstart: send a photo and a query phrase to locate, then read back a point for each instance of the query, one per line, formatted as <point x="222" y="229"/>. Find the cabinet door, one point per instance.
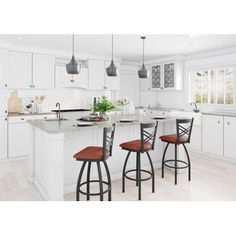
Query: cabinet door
<point x="112" y="83"/>
<point x="156" y="75"/>
<point x="212" y="134"/>
<point x="3" y="138"/>
<point x="169" y="75"/>
<point x="3" y="102"/>
<point x="96" y="74"/>
<point x="19" y="70"/>
<point x="229" y="137"/>
<point x="144" y="84"/>
<point x="18" y="139"/>
<point x="2" y="68"/>
<point x="81" y="80"/>
<point x="43" y="71"/>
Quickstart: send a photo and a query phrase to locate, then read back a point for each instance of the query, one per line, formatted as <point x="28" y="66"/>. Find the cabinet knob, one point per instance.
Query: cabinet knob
<point x="6" y="111"/>
<point x="22" y="118"/>
<point x="5" y="85"/>
<point x="218" y="122"/>
<point x="228" y="123"/>
<point x="72" y="81"/>
<point x="6" y="119"/>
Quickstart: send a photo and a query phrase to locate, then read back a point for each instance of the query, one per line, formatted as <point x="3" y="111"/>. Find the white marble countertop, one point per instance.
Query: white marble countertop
<point x="64" y="126"/>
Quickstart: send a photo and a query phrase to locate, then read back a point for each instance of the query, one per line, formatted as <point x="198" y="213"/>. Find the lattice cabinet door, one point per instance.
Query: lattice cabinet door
<point x="169" y="75"/>
<point x="156" y="77"/>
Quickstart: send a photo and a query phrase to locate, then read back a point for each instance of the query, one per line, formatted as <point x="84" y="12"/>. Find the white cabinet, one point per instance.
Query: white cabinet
<point x="3" y="138"/>
<point x="18" y="137"/>
<point x="19" y="70"/>
<point x="3" y="102"/>
<point x="2" y="68"/>
<point x="63" y="79"/>
<point x="96" y="75"/>
<point x="43" y="71"/>
<point x="196" y="137"/>
<point x="19" y="142"/>
<point x="98" y="79"/>
<point x="112" y="82"/>
<point x="212" y="134"/>
<point x="229" y="137"/>
<point x="164" y="76"/>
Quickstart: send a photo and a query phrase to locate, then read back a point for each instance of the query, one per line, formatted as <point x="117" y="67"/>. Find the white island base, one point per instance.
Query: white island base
<point x="53" y="169"/>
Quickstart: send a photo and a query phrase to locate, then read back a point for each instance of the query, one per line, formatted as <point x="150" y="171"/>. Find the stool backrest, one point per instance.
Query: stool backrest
<point x="108" y="138"/>
<point x="184" y="128"/>
<point x="148" y="134"/>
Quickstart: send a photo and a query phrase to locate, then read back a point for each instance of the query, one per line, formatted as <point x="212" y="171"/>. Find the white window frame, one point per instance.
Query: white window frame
<point x="210" y="67"/>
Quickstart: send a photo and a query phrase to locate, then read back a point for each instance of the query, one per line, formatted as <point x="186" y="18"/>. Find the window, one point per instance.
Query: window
<point x="212" y="86"/>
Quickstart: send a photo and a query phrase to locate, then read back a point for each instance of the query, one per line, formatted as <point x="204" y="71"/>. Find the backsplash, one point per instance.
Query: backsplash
<point x="68" y="97"/>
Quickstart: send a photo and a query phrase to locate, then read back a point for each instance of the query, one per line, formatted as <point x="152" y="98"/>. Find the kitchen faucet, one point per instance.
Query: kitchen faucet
<point x="59" y="111"/>
<point x="196" y="109"/>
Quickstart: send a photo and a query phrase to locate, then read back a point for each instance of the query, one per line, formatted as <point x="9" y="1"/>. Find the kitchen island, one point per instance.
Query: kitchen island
<point x="52" y="167"/>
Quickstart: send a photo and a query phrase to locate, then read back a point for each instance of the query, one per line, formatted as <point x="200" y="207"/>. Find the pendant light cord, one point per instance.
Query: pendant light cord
<point x="73" y="44"/>
<point x="143" y="50"/>
<point x="112" y="45"/>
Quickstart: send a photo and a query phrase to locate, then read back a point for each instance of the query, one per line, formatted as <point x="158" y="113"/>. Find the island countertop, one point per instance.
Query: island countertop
<point x="54" y="127"/>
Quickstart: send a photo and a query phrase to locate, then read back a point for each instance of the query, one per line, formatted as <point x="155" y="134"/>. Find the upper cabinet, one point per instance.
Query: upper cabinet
<point x="164" y="76"/>
<point x="98" y="79"/>
<point x="43" y="71"/>
<point x="64" y="80"/>
<point x="2" y="68"/>
<point x="19" y="70"/>
<point x="29" y="71"/>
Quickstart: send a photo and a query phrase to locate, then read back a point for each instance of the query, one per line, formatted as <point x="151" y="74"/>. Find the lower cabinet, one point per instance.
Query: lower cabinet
<point x="212" y="134"/>
<point x="229" y="137"/>
<point x="19" y="142"/>
<point x="3" y="138"/>
<point x="18" y="138"/>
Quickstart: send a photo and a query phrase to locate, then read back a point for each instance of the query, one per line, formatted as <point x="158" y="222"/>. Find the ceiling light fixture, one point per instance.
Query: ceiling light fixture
<point x="112" y="69"/>
<point x="143" y="73"/>
<point x="72" y="67"/>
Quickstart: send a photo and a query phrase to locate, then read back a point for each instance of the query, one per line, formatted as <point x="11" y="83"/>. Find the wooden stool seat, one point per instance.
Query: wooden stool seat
<point x="136" y="146"/>
<point x="173" y="138"/>
<point x="91" y="153"/>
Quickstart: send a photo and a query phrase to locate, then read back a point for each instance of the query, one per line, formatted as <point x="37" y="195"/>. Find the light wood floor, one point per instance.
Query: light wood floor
<point x="212" y="179"/>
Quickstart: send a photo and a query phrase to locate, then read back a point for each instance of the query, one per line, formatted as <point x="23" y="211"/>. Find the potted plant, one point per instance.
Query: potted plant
<point x="103" y="105"/>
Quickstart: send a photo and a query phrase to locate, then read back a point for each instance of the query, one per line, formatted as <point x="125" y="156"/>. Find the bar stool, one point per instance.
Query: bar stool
<point x="146" y="144"/>
<point x="96" y="154"/>
<point x="184" y="129"/>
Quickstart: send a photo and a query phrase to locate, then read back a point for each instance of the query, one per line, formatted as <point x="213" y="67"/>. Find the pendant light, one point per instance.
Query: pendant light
<point x="143" y="73"/>
<point x="72" y="67"/>
<point x="112" y="69"/>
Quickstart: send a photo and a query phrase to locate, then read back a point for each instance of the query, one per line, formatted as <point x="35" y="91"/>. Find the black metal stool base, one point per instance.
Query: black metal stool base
<point x="138" y="172"/>
<point x="176" y="161"/>
<point x="88" y="181"/>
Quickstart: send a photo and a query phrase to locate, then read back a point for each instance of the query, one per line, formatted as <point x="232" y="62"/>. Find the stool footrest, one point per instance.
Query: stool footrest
<point x="178" y="167"/>
<point x="94" y="194"/>
<point x="134" y="179"/>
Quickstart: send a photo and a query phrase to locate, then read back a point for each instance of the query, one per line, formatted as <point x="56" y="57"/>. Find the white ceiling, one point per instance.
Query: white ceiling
<point x="128" y="47"/>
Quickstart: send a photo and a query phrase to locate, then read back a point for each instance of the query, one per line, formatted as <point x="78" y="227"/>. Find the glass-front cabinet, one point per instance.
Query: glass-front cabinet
<point x="166" y="76"/>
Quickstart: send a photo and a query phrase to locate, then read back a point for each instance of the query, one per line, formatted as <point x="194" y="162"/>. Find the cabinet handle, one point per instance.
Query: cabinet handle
<point x="5" y="85"/>
<point x="22" y="118"/>
<point x="45" y="117"/>
<point x="6" y="119"/>
<point x="72" y="81"/>
<point x="228" y="123"/>
<point x="218" y="122"/>
<point x="6" y="111"/>
<point x="105" y="87"/>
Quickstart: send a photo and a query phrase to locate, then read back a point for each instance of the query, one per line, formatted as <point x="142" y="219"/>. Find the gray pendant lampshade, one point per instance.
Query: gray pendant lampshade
<point x="112" y="69"/>
<point x="143" y="73"/>
<point x="72" y="67"/>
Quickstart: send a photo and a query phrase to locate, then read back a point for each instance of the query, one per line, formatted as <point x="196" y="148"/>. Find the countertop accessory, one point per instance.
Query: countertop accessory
<point x="84" y="123"/>
<point x="14" y="103"/>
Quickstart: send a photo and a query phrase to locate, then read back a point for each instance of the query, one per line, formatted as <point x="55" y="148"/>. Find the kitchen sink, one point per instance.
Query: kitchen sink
<point x="55" y="119"/>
